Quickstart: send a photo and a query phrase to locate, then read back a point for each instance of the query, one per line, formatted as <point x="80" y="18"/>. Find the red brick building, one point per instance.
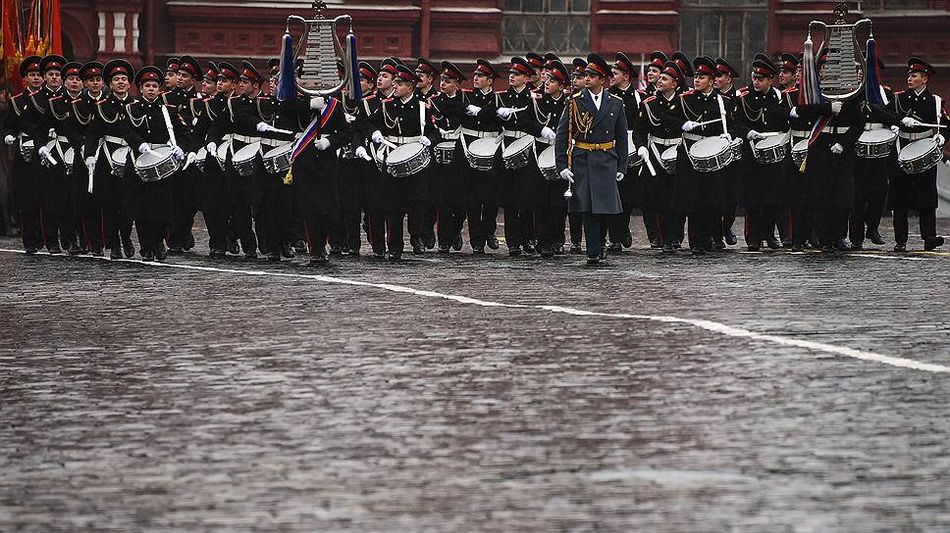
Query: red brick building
<point x="151" y="30"/>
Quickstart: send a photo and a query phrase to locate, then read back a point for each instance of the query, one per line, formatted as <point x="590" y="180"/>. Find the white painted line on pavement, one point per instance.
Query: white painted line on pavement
<point x="708" y="325"/>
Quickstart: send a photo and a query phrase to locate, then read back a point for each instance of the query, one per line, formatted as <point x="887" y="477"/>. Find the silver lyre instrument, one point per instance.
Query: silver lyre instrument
<point x="321" y="47"/>
<point x="846" y="66"/>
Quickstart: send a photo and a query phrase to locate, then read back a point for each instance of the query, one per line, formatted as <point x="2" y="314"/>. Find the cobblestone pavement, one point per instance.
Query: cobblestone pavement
<point x="227" y="395"/>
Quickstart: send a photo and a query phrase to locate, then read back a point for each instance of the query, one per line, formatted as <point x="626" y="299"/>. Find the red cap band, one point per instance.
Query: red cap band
<point x="705" y="69"/>
<point x="672" y="72"/>
<point x="520" y="68"/>
<point x="597" y="68"/>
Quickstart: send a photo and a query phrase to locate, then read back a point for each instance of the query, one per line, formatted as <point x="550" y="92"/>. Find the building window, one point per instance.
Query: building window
<point x="880" y="5"/>
<point x="736" y="31"/>
<point x="561" y="26"/>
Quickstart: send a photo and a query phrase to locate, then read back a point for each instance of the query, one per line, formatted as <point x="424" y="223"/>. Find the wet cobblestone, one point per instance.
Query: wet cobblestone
<point x="146" y="398"/>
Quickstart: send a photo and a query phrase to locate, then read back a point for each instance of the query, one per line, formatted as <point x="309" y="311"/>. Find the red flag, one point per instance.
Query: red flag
<point x="55" y="29"/>
<point x="9" y="17"/>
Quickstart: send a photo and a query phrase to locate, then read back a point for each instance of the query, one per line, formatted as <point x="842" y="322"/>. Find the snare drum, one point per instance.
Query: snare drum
<point x="244" y="160"/>
<point x="633" y="159"/>
<point x="710" y="154"/>
<point x="875" y="144"/>
<point x="799" y="152"/>
<point x="27" y="150"/>
<point x="277" y="160"/>
<point x="222" y="153"/>
<point x="444" y="152"/>
<point x="69" y="157"/>
<point x="118" y="158"/>
<point x="518" y="154"/>
<point x="736" y="147"/>
<point x="200" y="158"/>
<point x="156" y="165"/>
<point x="481" y="153"/>
<point x="668" y="159"/>
<point x="919" y="156"/>
<point x="771" y="150"/>
<point x="407" y="159"/>
<point x="548" y="164"/>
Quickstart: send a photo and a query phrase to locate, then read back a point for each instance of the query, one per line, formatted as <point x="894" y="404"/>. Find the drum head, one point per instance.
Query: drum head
<point x="404" y="153"/>
<point x="223" y="151"/>
<point x="484" y="147"/>
<point x="546" y="159"/>
<point x="801" y="146"/>
<point x="27" y="144"/>
<point x="917" y="149"/>
<point x="278" y="150"/>
<point x="709" y="147"/>
<point x="121" y="154"/>
<point x="669" y="153"/>
<point x="518" y="145"/>
<point x="877" y="136"/>
<point x="248" y="152"/>
<point x="69" y="156"/>
<point x="445" y="145"/>
<point x="156" y="156"/>
<point x="771" y="142"/>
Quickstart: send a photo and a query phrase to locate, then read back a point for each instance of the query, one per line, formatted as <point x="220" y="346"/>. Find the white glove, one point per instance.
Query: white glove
<point x="690" y="125"/>
<point x="349" y="118"/>
<point x="177" y="153"/>
<point x="836" y="148"/>
<point x="836" y="106"/>
<point x="192" y="157"/>
<point x="144" y="149"/>
<point x="940" y="140"/>
<point x="317" y="103"/>
<point x="504" y="113"/>
<point x="725" y="136"/>
<point x="43" y="151"/>
<point x="472" y="110"/>
<point x="377" y="137"/>
<point x="567" y="175"/>
<point x="363" y="154"/>
<point x="643" y="152"/>
<point x="896" y="130"/>
<point x="9" y="140"/>
<point x="620" y="176"/>
<point x="321" y="144"/>
<point x="211" y="148"/>
<point x="548" y="134"/>
<point x="264" y="127"/>
<point x="754" y="135"/>
<point x="91" y="164"/>
<point x="793" y="113"/>
<point x="910" y="122"/>
<point x="424" y="141"/>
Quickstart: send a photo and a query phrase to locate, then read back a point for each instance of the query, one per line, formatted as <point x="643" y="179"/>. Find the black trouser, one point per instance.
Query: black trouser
<point x="518" y="224"/>
<point x="651" y="224"/>
<point x="759" y="225"/>
<point x="26" y="191"/>
<point x="550" y="227"/>
<point x="54" y="192"/>
<point x="866" y="216"/>
<point x="184" y="185"/>
<point x="702" y="223"/>
<point x="831" y="223"/>
<point x="577" y="228"/>
<point x="316" y="228"/>
<point x="273" y="212"/>
<point x="449" y="222"/>
<point x="394" y="231"/>
<point x="482" y="223"/>
<point x="592" y="226"/>
<point x="928" y="224"/>
<point x="783" y="221"/>
<point x="240" y="200"/>
<point x="154" y="212"/>
<point x="376" y="231"/>
<point x="618" y="227"/>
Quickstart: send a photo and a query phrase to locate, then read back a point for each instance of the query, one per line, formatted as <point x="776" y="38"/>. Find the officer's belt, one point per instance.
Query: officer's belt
<point x="244" y="138"/>
<point x="665" y="142"/>
<point x="595" y="146"/>
<point x="114" y="140"/>
<point x="450" y="135"/>
<point x="272" y="142"/>
<point x="515" y="134"/>
<point x="480" y="134"/>
<point x="873" y="126"/>
<point x="695" y="137"/>
<point x="403" y="140"/>
<point x="800" y="133"/>
<point x="916" y="136"/>
<point x="835" y="130"/>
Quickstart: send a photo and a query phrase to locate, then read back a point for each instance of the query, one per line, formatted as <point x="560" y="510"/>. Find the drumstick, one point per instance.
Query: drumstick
<point x="938" y="126"/>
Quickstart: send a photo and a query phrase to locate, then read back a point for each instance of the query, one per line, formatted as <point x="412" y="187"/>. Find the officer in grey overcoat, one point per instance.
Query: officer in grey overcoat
<point x="591" y="153"/>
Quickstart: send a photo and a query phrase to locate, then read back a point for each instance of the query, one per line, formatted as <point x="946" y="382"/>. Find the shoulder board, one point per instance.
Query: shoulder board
<point x="55" y="98"/>
<point x="886" y="87"/>
<point x="198" y="98"/>
<point x="171" y="105"/>
<point x="649" y="99"/>
<point x="233" y="96"/>
<point x="76" y="101"/>
<point x="263" y="97"/>
<point x="501" y="92"/>
<point x="536" y="96"/>
<point x="742" y="94"/>
<point x="208" y="99"/>
<point x="616" y="96"/>
<point x="744" y="89"/>
<point x="369" y="96"/>
<point x="791" y="90"/>
<point x="577" y="94"/>
<point x="642" y="92"/>
<point x="466" y="90"/>
<point x="388" y="100"/>
<point x="100" y="102"/>
<point x="689" y="92"/>
<point x="900" y="92"/>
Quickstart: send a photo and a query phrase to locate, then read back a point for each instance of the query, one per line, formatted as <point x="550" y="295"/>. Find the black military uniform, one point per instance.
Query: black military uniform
<point x="870" y="179"/>
<point x="760" y="114"/>
<point x="634" y="190"/>
<point x="427" y="214"/>
<point x="449" y="180"/>
<point x="548" y="194"/>
<point x="800" y="222"/>
<point x="701" y="196"/>
<point x="111" y="193"/>
<point x="83" y="112"/>
<point x="657" y="65"/>
<point x="914" y="109"/>
<point x="735" y="176"/>
<point x="215" y="193"/>
<point x="145" y="126"/>
<point x="51" y="173"/>
<point x="20" y="129"/>
<point x="185" y="183"/>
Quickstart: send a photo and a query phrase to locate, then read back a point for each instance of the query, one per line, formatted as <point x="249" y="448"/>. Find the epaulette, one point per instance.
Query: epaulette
<point x="100" y="102"/>
<point x="886" y="87"/>
<point x="171" y="105"/>
<point x="742" y="94"/>
<point x="263" y="97"/>
<point x="369" y="96"/>
<point x="233" y="96"/>
<point x="649" y="99"/>
<point x="388" y="100"/>
<point x="76" y="101"/>
<point x="501" y="92"/>
<point x="687" y="93"/>
<point x="536" y="96"/>
<point x="900" y="92"/>
<point x="791" y="90"/>
<point x="615" y="96"/>
<point x="56" y="98"/>
<point x="745" y="89"/>
<point x="641" y="91"/>
<point x="577" y="94"/>
<point x="466" y="90"/>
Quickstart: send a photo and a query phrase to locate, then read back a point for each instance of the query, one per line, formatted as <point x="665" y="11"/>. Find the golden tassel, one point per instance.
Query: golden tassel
<point x="801" y="168"/>
<point x="289" y="178"/>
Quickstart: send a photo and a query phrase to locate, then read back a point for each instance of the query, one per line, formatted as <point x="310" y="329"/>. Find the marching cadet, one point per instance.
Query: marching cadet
<point x="759" y="113"/>
<point x="536" y="62"/>
<point x="591" y="153"/>
<point x="171" y="74"/>
<point x="548" y="194"/>
<point x="796" y="182"/>
<point x="723" y="234"/>
<point x="517" y="113"/>
<point x="426" y="237"/>
<point x="788" y="71"/>
<point x="150" y="122"/>
<point x="21" y="127"/>
<point x="701" y="114"/>
<point x="51" y="172"/>
<point x="448" y="109"/>
<point x="84" y="113"/>
<point x="918" y="110"/>
<point x="184" y="184"/>
<point x="481" y="121"/>
<point x="654" y="134"/>
<point x="870" y="178"/>
<point x="657" y="65"/>
<point x="215" y="191"/>
<point x="401" y="120"/>
<point x="106" y="161"/>
<point x="375" y="180"/>
<point x="787" y="79"/>
<point x="830" y="167"/>
<point x="635" y="191"/>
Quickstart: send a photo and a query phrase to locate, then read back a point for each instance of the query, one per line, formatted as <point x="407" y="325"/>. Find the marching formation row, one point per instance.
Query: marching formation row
<point x="576" y="144"/>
